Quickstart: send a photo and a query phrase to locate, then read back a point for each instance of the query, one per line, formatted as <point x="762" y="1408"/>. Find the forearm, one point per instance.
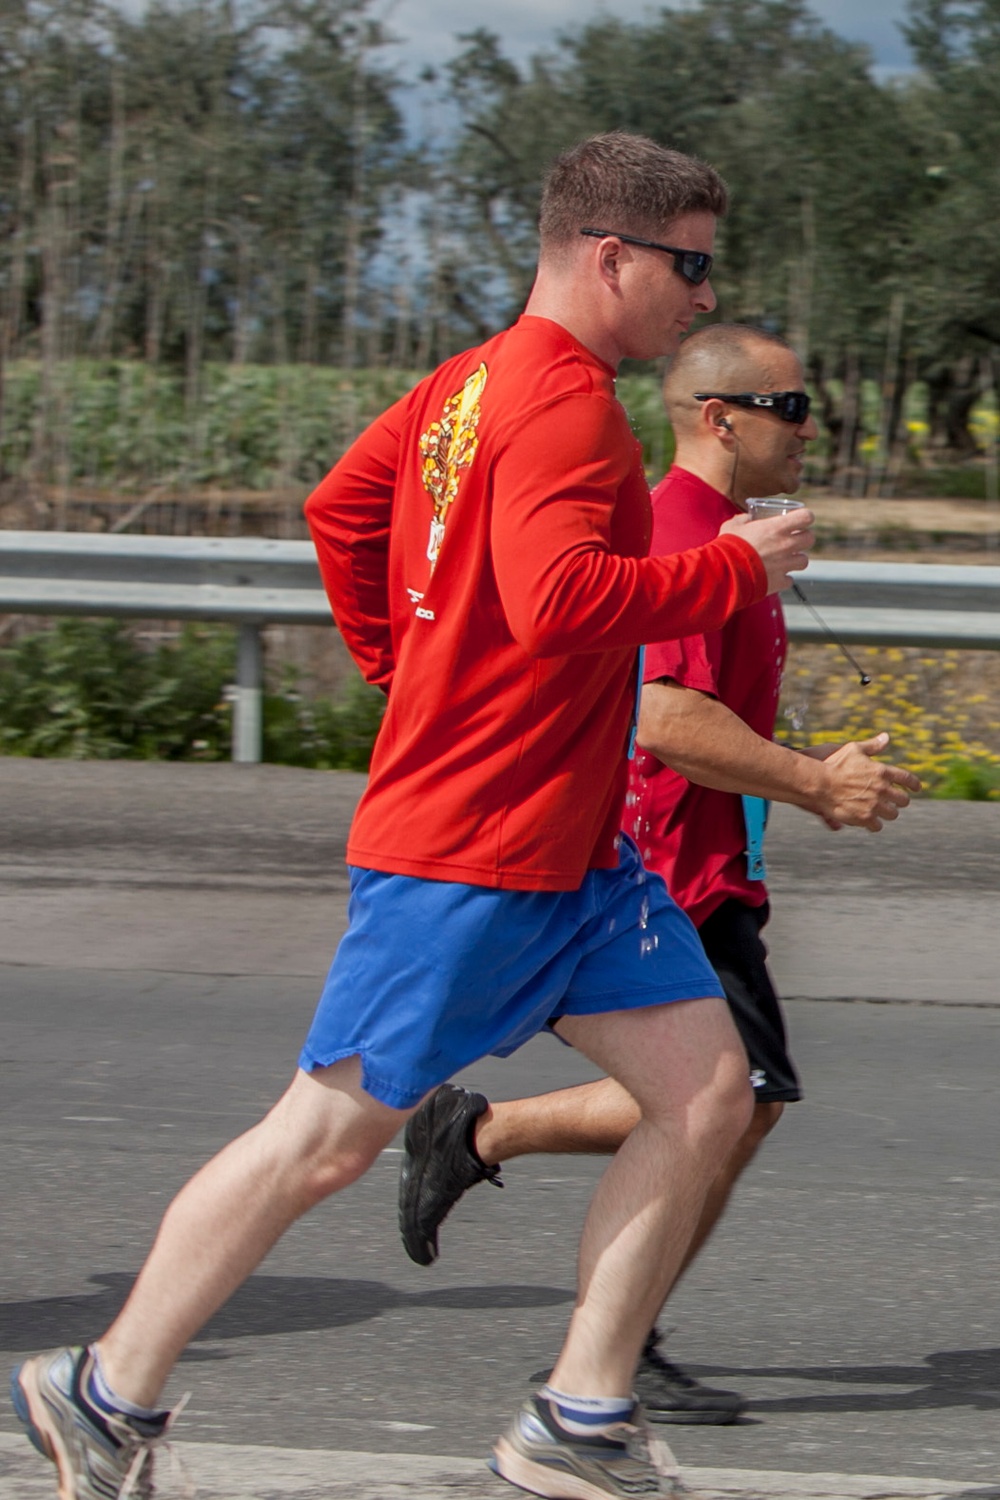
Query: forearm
<point x="706" y="742"/>
<point x="580" y="596"/>
<point x="699" y="737"/>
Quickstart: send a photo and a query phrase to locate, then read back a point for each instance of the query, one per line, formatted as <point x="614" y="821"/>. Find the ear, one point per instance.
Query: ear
<point x="610" y="256"/>
<point x="713" y="414"/>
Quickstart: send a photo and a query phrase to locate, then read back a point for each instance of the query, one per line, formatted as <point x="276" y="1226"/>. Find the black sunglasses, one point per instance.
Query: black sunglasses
<point x="790" y="406"/>
<point x="694" y="265"/>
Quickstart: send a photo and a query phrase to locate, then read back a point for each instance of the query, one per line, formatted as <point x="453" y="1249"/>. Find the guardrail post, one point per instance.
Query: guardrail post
<point x="247" y="706"/>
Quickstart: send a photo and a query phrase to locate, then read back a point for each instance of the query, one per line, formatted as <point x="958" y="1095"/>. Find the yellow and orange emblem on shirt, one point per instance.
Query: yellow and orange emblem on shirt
<point x="447" y="449"/>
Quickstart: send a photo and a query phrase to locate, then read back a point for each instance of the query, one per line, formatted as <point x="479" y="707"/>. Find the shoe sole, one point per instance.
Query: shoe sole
<point x="421" y="1251"/>
<point x="682" y="1418"/>
<point x="542" y="1479"/>
<point x="42" y="1434"/>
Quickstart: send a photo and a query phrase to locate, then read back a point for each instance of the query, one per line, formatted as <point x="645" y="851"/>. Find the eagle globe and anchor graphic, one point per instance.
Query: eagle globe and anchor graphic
<point x="447" y="449"/>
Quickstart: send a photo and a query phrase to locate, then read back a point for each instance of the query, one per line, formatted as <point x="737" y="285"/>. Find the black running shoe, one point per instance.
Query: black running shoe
<point x="668" y="1394"/>
<point x="440" y="1162"/>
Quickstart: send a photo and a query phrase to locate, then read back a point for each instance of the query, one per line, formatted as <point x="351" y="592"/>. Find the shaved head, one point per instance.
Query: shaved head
<point x="724" y="357"/>
<point x="740" y="451"/>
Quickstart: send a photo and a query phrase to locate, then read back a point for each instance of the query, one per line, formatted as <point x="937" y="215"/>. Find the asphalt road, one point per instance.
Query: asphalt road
<point x="162" y="934"/>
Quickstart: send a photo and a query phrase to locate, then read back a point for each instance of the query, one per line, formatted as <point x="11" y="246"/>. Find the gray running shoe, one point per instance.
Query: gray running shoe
<point x="440" y="1163"/>
<point x="621" y="1461"/>
<point x="99" y="1457"/>
<point x="670" y="1394"/>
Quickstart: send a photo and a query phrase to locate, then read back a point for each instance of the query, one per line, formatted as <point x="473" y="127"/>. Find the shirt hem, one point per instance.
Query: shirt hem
<point x="461" y="874"/>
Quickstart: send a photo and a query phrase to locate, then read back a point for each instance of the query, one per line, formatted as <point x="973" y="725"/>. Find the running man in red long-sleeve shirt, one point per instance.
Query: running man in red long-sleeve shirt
<point x="737" y="403"/>
<point x="484" y="548"/>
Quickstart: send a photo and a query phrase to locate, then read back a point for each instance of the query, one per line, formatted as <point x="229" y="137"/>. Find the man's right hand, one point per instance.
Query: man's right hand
<point x="782" y="543"/>
<point x="861" y="792"/>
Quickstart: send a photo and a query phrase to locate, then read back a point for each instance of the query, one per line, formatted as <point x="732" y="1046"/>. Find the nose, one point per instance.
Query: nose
<point x="809" y="430"/>
<point x="704" y="297"/>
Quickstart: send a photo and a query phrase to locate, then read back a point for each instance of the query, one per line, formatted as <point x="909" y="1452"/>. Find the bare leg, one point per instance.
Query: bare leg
<point x="762" y="1122"/>
<point x="685" y="1066"/>
<point x="597" y="1118"/>
<point x="591" y="1117"/>
<point x="323" y="1134"/>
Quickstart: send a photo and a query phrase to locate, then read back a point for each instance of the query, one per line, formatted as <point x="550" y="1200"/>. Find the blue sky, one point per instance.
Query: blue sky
<point x="525" y="26"/>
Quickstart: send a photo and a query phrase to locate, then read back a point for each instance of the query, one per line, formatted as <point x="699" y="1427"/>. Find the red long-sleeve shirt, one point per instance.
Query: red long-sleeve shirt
<point x="483" y="547"/>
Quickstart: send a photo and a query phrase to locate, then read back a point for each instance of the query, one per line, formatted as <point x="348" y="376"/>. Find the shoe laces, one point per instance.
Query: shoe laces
<point x="137" y="1474"/>
<point x="643" y="1444"/>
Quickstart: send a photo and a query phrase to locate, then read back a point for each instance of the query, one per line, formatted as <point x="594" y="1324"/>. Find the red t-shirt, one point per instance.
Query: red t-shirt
<point x="693" y="835"/>
<point x="484" y="545"/>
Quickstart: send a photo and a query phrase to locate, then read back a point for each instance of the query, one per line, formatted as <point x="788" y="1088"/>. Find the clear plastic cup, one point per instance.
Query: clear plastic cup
<point x="773" y="505"/>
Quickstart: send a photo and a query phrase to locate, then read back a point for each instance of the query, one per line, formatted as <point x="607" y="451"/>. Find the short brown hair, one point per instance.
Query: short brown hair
<point x="625" y="182"/>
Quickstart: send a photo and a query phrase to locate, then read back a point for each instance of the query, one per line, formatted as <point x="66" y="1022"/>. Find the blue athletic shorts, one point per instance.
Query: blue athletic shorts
<point x="433" y="975"/>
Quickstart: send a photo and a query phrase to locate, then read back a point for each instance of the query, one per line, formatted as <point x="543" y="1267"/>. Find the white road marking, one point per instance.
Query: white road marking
<point x="223" y="1471"/>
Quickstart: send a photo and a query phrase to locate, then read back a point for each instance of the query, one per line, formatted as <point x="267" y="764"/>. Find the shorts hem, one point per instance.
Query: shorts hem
<point x="777" y="1096"/>
<point x="378" y="1088"/>
<point x="604" y="1003"/>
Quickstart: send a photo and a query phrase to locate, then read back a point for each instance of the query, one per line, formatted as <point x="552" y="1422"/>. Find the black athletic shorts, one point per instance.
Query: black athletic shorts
<point x="736" y="951"/>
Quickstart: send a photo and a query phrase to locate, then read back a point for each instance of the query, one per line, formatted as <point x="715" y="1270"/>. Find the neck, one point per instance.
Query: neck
<point x="560" y="302"/>
<point x="715" y="467"/>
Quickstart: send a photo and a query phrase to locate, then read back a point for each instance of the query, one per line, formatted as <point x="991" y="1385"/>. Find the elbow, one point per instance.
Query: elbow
<point x="555" y="625"/>
<point x="313" y="511"/>
<point x="540" y="638"/>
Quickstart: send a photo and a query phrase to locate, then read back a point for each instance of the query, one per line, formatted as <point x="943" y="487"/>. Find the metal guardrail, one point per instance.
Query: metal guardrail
<point x="245" y="581"/>
<point x="899" y="604"/>
<point x="252" y="582"/>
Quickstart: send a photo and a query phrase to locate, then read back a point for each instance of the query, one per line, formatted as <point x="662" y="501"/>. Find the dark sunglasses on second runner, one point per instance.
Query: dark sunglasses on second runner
<point x="790" y="406"/>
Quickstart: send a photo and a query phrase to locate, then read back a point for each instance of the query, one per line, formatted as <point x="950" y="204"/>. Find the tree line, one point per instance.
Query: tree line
<point x="249" y="182"/>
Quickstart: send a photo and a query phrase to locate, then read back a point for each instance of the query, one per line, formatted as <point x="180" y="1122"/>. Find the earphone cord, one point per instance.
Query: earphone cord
<point x="736" y="464"/>
<point x="863" y="676"/>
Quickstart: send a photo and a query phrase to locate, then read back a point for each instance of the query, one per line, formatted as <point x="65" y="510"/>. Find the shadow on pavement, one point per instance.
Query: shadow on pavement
<point x="263" y="1305"/>
<point x="953" y="1377"/>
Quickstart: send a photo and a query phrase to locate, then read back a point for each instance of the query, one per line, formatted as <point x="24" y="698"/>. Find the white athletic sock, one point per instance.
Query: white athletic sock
<point x="586" y="1414"/>
<point x="105" y="1399"/>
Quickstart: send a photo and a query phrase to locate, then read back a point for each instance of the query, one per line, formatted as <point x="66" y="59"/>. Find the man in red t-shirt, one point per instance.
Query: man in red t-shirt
<point x="695" y="808"/>
<point x="485" y="549"/>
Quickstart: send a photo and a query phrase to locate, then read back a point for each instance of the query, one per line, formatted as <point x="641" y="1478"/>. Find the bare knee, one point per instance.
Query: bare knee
<point x="683" y="1064"/>
<point x="723" y="1112"/>
<point x="320" y="1178"/>
<point x="322" y="1136"/>
<point x="716" y="1117"/>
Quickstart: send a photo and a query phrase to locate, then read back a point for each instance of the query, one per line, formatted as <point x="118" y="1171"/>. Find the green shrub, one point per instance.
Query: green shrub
<point x="968" y="781"/>
<point x="89" y="689"/>
<point x="322" y="733"/>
